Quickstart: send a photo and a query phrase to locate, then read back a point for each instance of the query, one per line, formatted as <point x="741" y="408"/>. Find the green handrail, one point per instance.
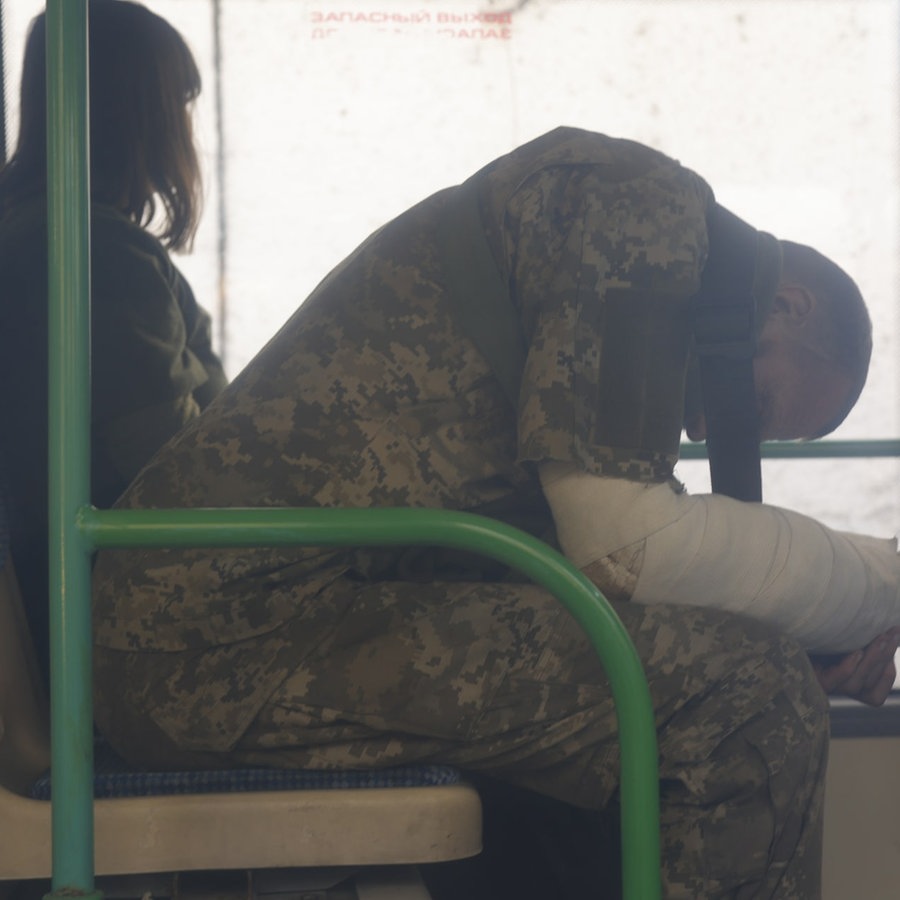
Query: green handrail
<point x="76" y="529"/>
<point x="71" y="720"/>
<point x="868" y="449"/>
<point x="639" y="790"/>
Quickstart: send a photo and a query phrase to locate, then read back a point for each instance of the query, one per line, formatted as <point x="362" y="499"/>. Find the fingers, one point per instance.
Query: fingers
<point x="867" y="675"/>
<point x="870" y="671"/>
<point x="878" y="693"/>
<point x="878" y="678"/>
<point x="874" y="667"/>
<point x="834" y="677"/>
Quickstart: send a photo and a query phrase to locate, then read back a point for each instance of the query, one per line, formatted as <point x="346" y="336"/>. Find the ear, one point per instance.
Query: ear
<point x="794" y="300"/>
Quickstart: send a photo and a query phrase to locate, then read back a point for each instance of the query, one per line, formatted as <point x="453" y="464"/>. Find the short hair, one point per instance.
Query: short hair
<point x="143" y="78"/>
<point x="843" y="329"/>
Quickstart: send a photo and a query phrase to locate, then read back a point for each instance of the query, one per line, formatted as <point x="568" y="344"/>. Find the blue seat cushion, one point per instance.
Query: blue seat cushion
<point x="113" y="778"/>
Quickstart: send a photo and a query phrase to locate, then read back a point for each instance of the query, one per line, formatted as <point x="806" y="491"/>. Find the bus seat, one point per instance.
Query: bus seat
<point x="336" y="822"/>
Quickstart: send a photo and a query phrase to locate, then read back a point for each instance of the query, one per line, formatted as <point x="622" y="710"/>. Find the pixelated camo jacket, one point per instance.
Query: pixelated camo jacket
<point x="373" y="394"/>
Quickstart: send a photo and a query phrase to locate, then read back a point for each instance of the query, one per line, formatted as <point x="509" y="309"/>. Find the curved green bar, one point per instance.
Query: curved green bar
<point x="812" y="449"/>
<point x="382" y="527"/>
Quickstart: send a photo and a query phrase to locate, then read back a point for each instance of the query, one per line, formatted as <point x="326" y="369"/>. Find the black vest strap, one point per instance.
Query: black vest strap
<point x="725" y="341"/>
<point x="478" y="292"/>
<point x="725" y="330"/>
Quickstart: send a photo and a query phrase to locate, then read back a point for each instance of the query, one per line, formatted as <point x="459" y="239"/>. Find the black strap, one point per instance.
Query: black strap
<point x="725" y="340"/>
<point x="725" y="330"/>
<point x="478" y="291"/>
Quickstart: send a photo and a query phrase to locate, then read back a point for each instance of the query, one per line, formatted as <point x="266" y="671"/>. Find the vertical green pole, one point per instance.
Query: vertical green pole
<point x="69" y="448"/>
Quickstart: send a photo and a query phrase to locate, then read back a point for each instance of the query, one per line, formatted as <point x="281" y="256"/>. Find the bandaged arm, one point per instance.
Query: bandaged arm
<point x="832" y="591"/>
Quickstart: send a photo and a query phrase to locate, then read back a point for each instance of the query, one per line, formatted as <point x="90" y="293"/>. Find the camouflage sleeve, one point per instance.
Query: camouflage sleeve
<point x="604" y="270"/>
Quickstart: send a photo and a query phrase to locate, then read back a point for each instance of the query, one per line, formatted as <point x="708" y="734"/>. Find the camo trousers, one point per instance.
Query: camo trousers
<point x="499" y="680"/>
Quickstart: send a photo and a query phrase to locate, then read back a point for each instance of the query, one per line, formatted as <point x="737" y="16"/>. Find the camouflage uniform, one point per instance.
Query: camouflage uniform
<point x="372" y="395"/>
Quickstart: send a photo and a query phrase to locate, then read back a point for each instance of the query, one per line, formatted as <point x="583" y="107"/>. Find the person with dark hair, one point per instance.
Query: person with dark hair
<point x="153" y="366"/>
<point x="522" y="346"/>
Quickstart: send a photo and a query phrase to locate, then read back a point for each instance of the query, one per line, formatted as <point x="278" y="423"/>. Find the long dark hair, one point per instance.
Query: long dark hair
<point x="143" y="78"/>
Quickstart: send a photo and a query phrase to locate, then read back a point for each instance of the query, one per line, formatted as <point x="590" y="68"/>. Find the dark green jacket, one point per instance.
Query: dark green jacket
<point x="153" y="369"/>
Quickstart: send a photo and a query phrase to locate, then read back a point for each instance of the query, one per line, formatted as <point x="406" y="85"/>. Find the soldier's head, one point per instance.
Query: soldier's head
<point x="814" y="348"/>
<point x="143" y="79"/>
<point x="813" y="353"/>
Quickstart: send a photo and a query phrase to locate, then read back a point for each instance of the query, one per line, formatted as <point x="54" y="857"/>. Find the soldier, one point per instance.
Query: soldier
<point x="383" y="391"/>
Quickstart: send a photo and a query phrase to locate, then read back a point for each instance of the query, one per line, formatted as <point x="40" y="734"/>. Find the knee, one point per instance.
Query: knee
<point x="794" y="703"/>
<point x="800" y="684"/>
<point x="787" y="712"/>
<point x="728" y="674"/>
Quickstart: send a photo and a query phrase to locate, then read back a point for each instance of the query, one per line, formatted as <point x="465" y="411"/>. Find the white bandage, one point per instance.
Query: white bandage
<point x="831" y="591"/>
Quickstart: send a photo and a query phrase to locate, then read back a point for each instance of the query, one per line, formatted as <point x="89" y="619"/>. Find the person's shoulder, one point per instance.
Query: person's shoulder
<point x="119" y="242"/>
<point x="109" y="224"/>
<point x="132" y="273"/>
<point x="567" y="145"/>
<point x="568" y="153"/>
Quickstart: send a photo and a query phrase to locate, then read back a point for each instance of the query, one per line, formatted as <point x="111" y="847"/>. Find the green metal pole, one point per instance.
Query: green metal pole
<point x="69" y="448"/>
<point x="639" y="791"/>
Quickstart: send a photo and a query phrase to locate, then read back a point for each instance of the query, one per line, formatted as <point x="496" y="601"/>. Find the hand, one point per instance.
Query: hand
<point x="866" y="675"/>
